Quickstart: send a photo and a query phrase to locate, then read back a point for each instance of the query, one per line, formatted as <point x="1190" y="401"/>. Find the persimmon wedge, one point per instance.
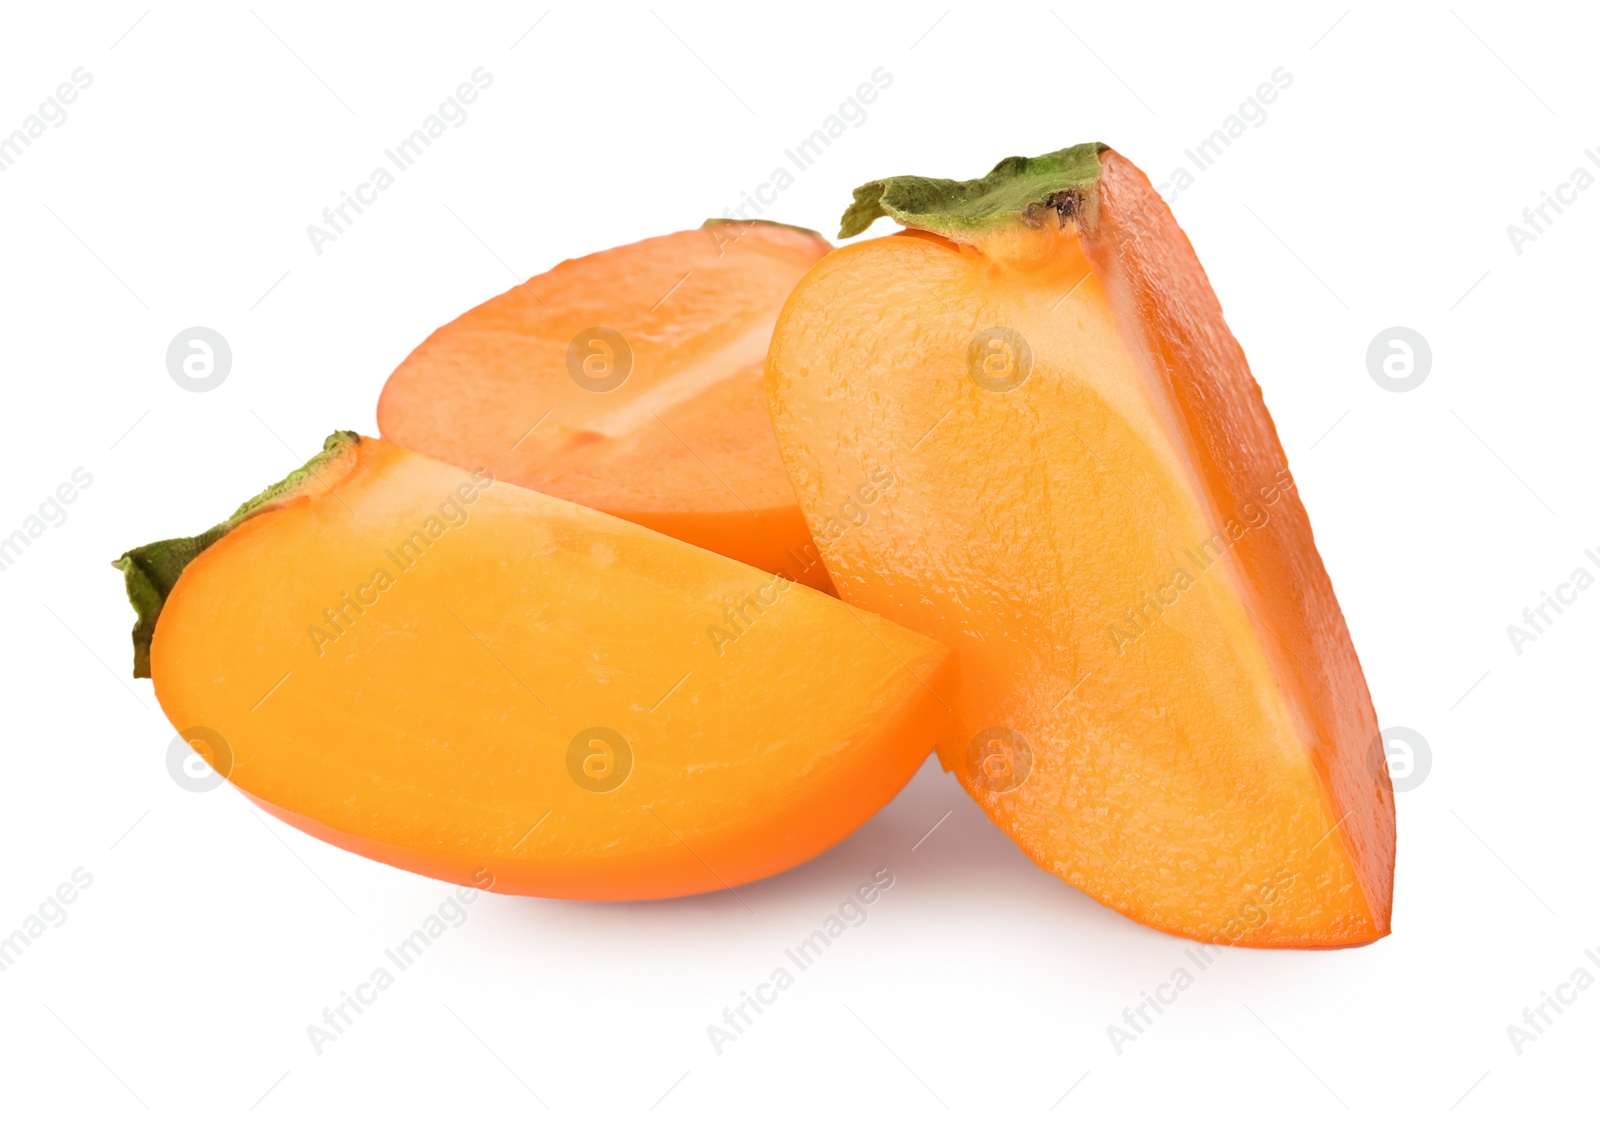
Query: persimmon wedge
<point x="630" y="381"/>
<point x="1159" y="701"/>
<point x="492" y="686"/>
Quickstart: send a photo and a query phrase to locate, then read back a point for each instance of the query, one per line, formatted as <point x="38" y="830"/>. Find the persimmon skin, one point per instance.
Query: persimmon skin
<point x="683" y="443"/>
<point x="1165" y="300"/>
<point x="1170" y="746"/>
<point x="428" y="720"/>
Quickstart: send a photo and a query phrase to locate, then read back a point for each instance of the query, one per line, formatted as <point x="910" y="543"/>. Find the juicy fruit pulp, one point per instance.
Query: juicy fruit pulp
<point x="1159" y="699"/>
<point x="628" y="381"/>
<point x="492" y="686"/>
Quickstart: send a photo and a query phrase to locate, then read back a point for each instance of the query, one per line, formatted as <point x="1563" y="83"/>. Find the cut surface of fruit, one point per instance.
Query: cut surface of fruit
<point x="495" y="687"/>
<point x="1159" y="699"/>
<point x="628" y="381"/>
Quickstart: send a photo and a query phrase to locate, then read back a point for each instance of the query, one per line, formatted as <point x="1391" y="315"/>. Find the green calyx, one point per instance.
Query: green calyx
<point x="1019" y="189"/>
<point x="151" y="571"/>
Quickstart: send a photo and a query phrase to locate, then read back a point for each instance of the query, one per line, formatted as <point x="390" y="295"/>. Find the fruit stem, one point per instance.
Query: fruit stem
<point x="151" y="571"/>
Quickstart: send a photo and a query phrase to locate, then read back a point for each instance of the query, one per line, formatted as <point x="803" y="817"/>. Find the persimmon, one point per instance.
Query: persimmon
<point x="630" y="381"/>
<point x="458" y="676"/>
<point x="1159" y="697"/>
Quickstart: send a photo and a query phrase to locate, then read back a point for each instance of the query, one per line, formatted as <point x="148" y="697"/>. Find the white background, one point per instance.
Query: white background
<point x="1377" y="192"/>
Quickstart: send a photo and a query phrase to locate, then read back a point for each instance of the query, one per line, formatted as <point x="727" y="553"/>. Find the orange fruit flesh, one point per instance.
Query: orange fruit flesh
<point x="1159" y="700"/>
<point x="440" y="717"/>
<point x="683" y="444"/>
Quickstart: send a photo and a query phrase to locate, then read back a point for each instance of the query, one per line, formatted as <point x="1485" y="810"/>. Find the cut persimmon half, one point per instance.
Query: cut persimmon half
<point x="1159" y="701"/>
<point x="491" y="686"/>
<point x="629" y="381"/>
